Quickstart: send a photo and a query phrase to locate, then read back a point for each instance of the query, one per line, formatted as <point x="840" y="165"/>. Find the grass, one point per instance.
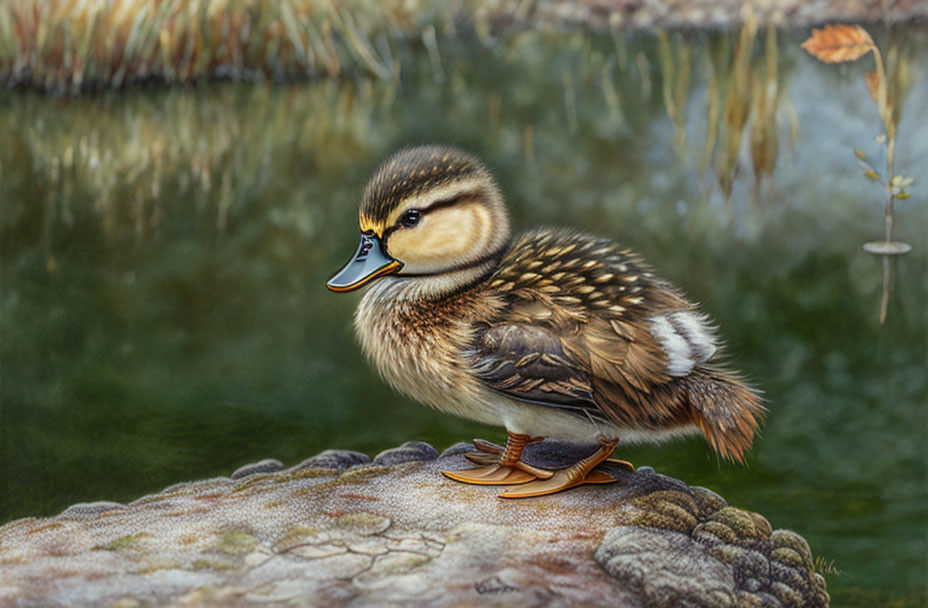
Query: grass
<point x="70" y="45"/>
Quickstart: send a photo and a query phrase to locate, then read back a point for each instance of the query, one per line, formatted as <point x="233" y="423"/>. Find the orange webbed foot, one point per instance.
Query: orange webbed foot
<point x="500" y="466"/>
<point x="491" y="475"/>
<point x="583" y="472"/>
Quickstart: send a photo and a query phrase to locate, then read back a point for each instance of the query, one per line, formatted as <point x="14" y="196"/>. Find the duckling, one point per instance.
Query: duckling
<point x="554" y="334"/>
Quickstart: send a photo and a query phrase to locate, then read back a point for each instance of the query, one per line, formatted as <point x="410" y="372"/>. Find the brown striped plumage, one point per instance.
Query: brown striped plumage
<point x="575" y="333"/>
<point x="555" y="333"/>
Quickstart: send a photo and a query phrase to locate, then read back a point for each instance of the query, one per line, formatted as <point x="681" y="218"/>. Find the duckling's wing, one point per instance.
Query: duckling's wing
<point x="629" y="371"/>
<point x="600" y="368"/>
<point x="528" y="362"/>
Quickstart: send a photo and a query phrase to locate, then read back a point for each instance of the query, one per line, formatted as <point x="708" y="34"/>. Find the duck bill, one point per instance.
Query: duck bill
<point x="368" y="262"/>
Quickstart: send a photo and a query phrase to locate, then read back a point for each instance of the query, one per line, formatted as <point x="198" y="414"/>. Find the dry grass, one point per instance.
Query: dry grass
<point x="69" y="45"/>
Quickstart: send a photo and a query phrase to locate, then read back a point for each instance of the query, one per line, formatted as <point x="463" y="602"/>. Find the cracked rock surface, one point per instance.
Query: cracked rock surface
<point x="341" y="529"/>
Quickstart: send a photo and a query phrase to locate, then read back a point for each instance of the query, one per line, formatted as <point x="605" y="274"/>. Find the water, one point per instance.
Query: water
<point x="164" y="253"/>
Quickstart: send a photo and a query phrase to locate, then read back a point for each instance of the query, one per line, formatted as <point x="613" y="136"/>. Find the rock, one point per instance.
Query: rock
<point x="693" y="14"/>
<point x="556" y="454"/>
<point x="461" y="447"/>
<point x="666" y="568"/>
<point x="340" y="530"/>
<point x="411" y="451"/>
<point x="268" y="465"/>
<point x="90" y="509"/>
<point x="339" y="460"/>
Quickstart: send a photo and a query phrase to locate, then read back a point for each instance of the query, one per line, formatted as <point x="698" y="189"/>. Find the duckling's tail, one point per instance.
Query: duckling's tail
<point x="727" y="411"/>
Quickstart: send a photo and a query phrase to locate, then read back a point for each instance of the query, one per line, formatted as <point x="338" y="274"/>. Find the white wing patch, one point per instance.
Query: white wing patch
<point x="686" y="339"/>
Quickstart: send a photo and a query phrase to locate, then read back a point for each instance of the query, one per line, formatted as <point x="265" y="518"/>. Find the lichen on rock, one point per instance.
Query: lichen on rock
<point x="341" y="528"/>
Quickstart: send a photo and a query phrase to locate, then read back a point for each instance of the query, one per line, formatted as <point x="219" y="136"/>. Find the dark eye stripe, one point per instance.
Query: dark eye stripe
<point x="448" y="202"/>
<point x="454" y="200"/>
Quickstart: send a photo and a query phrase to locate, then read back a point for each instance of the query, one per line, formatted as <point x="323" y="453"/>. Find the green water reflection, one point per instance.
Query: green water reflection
<point x="164" y="253"/>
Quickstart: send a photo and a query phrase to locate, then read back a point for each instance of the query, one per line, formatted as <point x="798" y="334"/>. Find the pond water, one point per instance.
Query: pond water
<point x="164" y="252"/>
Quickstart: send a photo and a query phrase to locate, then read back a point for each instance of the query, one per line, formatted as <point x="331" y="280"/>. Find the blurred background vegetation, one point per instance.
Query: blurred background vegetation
<point x="69" y="45"/>
<point x="163" y="249"/>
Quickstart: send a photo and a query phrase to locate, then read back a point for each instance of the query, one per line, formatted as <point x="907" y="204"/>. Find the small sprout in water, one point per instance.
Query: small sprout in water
<point x="840" y="43"/>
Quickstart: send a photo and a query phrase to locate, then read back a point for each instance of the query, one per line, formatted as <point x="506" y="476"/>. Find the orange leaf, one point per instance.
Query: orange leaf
<point x="873" y="85"/>
<point x="838" y="43"/>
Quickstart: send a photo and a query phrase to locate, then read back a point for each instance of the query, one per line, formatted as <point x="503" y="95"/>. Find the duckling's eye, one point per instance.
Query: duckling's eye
<point x="411" y="218"/>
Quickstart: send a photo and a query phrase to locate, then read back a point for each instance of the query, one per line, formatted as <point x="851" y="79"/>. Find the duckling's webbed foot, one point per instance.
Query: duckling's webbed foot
<point x="582" y="472"/>
<point x="622" y="463"/>
<point x="488" y="452"/>
<point x="500" y="466"/>
<point x="491" y="475"/>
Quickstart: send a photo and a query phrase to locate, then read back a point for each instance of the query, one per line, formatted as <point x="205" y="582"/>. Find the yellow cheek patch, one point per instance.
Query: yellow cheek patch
<point x="445" y="237"/>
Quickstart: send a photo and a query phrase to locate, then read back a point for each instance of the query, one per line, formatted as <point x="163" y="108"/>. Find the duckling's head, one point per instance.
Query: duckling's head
<point x="427" y="211"/>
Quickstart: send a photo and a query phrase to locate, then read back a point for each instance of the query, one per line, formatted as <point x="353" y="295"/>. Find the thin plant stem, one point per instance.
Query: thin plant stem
<point x="888" y="219"/>
<point x="888" y="230"/>
<point x="887" y="278"/>
<point x="885" y="114"/>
